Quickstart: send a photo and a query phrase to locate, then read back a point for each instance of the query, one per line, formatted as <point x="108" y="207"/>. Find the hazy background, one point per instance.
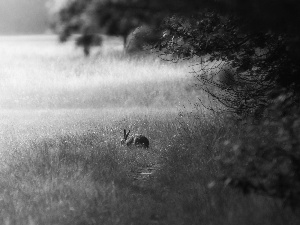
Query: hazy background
<point x="23" y="17"/>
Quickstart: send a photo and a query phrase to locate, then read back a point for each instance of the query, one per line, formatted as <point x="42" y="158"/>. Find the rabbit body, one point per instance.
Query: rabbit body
<point x="137" y="140"/>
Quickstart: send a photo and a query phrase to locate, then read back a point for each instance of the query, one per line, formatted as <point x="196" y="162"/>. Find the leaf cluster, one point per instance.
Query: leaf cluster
<point x="260" y="61"/>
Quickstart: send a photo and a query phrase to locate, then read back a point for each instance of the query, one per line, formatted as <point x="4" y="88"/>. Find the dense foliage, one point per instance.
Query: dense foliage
<point x="266" y="159"/>
<point x="258" y="61"/>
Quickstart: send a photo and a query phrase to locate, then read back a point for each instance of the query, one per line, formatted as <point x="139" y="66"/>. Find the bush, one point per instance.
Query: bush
<point x="265" y="158"/>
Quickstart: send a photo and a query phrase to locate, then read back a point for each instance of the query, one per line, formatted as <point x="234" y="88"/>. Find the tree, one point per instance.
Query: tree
<point x="142" y="39"/>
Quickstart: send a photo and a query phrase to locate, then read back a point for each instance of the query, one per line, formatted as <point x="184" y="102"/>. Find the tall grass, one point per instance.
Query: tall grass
<point x="61" y="122"/>
<point x="89" y="178"/>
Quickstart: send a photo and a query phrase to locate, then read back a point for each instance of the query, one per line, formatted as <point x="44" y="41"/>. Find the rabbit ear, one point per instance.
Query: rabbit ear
<point x="124" y="134"/>
<point x="127" y="134"/>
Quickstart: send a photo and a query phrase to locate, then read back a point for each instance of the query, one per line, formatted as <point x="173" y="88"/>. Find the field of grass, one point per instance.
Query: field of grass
<point x="61" y="162"/>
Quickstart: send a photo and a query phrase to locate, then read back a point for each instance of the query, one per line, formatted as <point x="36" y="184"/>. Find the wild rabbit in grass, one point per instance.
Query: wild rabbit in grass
<point x="137" y="140"/>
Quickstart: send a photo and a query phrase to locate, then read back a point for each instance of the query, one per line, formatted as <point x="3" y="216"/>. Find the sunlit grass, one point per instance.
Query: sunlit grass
<point x="44" y="74"/>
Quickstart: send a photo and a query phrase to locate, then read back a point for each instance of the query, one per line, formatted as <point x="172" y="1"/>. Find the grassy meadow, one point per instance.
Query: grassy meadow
<point x="61" y="121"/>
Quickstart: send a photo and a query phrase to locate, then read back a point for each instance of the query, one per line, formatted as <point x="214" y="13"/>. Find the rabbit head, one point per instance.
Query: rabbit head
<point x="125" y="137"/>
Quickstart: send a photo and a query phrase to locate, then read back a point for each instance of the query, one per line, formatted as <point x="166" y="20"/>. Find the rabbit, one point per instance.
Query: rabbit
<point x="137" y="140"/>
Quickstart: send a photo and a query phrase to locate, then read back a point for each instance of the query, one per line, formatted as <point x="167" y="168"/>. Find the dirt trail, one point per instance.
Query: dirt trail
<point x="143" y="175"/>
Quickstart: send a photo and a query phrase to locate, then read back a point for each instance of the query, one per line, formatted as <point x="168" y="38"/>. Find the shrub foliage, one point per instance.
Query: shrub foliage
<point x="266" y="158"/>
